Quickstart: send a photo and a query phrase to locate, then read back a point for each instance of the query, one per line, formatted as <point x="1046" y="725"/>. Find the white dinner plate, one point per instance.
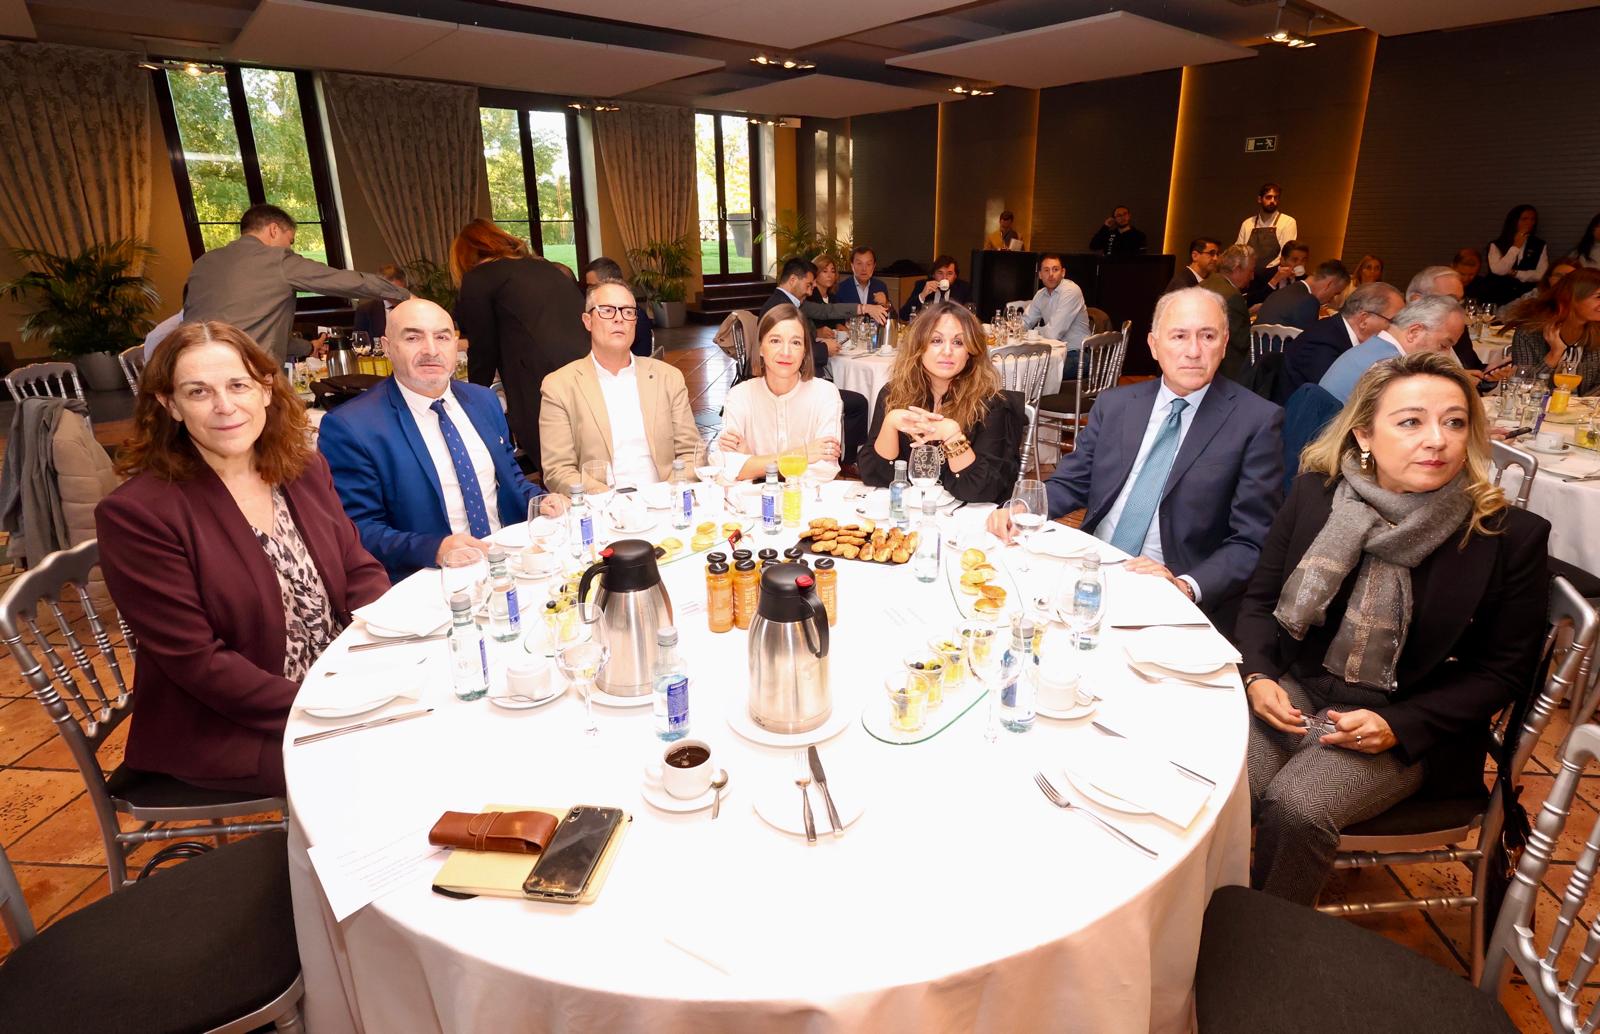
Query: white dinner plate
<point x="1199" y="652"/>
<point x="1534" y="447"/>
<point x="350" y="710"/>
<point x="522" y="703"/>
<point x="644" y="524"/>
<point x="778" y="804"/>
<point x="657" y="796"/>
<point x="379" y="632"/>
<point x="1083" y="785"/>
<point x="1069" y="713"/>
<point x="739" y="718"/>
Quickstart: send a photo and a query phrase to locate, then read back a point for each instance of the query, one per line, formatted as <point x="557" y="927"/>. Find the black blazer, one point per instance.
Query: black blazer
<point x="372" y="316"/>
<point x="995" y="442"/>
<point x="523" y="319"/>
<point x="1182" y="279"/>
<point x="1307" y="357"/>
<point x="1291" y="305"/>
<point x="1477" y="622"/>
<point x="960" y="293"/>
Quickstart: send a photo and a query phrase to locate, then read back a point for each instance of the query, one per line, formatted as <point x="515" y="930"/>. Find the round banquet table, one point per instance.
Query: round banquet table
<point x="867" y="373"/>
<point x="1571" y="507"/>
<point x="959" y="900"/>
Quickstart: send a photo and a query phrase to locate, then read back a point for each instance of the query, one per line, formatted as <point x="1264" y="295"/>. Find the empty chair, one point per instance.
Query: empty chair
<point x="205" y="946"/>
<point x="132" y="362"/>
<point x="1270" y="337"/>
<point x="87" y="696"/>
<point x="1023" y="369"/>
<point x="1099" y="320"/>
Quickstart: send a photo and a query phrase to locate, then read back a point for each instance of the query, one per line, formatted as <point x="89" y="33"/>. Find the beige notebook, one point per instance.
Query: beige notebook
<point x="500" y="874"/>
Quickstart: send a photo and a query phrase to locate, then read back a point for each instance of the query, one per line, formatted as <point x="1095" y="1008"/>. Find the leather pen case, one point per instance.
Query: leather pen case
<point x="511" y="832"/>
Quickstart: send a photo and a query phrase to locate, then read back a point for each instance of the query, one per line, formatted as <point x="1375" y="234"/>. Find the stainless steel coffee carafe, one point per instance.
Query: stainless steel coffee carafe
<point x="789" y="653"/>
<point x="633" y="605"/>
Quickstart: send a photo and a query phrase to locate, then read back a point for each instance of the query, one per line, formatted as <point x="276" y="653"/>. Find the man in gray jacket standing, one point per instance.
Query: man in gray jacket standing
<point x="251" y="283"/>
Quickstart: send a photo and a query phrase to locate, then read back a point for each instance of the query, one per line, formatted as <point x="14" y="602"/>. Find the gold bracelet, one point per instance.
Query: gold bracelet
<point x="955" y="447"/>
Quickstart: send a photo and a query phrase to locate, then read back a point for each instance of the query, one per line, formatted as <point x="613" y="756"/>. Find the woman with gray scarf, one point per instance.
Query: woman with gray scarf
<point x="1398" y="597"/>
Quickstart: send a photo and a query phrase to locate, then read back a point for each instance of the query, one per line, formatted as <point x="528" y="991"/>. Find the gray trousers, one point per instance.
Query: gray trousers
<point x="1303" y="793"/>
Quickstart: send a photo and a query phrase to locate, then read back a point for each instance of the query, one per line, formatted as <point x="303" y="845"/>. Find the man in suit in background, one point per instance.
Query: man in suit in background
<point x="1431" y="323"/>
<point x="1368" y="310"/>
<point x="252" y="281"/>
<point x="942" y="284"/>
<point x="423" y="463"/>
<point x="1298" y="304"/>
<point x="1184" y="472"/>
<point x="1203" y="254"/>
<point x="862" y="288"/>
<point x="630" y="411"/>
<point x="1118" y="235"/>
<point x="1234" y="269"/>
<point x="603" y="268"/>
<point x="372" y="315"/>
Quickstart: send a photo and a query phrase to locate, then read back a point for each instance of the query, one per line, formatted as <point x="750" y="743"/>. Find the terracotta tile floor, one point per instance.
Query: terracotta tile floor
<point x="49" y="832"/>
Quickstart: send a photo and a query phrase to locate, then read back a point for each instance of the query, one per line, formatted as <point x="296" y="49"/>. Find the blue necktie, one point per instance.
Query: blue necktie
<point x="1140" y="509"/>
<point x="466" y="477"/>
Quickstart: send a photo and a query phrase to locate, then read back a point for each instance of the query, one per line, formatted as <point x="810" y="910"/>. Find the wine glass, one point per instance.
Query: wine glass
<point x="465" y="570"/>
<point x="1028" y="512"/>
<point x="598" y="473"/>
<point x="1081" y="611"/>
<point x="582" y="661"/>
<point x="985" y="657"/>
<point x="546" y="535"/>
<point x="927" y="460"/>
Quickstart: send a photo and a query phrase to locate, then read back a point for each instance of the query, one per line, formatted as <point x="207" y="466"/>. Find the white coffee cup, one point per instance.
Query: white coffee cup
<point x="539" y="565"/>
<point x="685" y="783"/>
<point x="944" y="285"/>
<point x="657" y="496"/>
<point x="528" y="677"/>
<point x="1550" y="441"/>
<point x="877" y="505"/>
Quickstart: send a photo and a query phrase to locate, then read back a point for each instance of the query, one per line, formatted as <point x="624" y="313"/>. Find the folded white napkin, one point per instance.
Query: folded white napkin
<point x="1191" y="651"/>
<point x="1131" y="770"/>
<point x="1138" y="600"/>
<point x="413" y="607"/>
<point x="400" y="678"/>
<point x="1065" y="543"/>
<point x="625" y="512"/>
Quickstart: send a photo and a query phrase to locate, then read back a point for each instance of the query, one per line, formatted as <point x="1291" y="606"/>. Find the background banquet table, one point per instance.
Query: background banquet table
<point x="1571" y="507"/>
<point x="959" y="900"/>
<point x="868" y="373"/>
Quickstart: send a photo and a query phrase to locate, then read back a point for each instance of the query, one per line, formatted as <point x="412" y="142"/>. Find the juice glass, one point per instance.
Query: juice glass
<point x="908" y="704"/>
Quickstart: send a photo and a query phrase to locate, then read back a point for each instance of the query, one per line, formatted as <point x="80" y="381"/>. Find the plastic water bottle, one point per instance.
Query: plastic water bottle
<point x="682" y="496"/>
<point x="771" y="502"/>
<point x="505" y="616"/>
<point x="897" y="496"/>
<point x="1088" y="602"/>
<point x="1019" y="679"/>
<point x="580" y="524"/>
<point x="927" y="560"/>
<point x="671" y="680"/>
<point x="469" y="658"/>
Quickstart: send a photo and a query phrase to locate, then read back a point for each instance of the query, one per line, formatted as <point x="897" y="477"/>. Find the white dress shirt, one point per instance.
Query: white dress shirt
<point x="1506" y="265"/>
<point x="1061" y="313"/>
<point x="765" y="422"/>
<point x="1158" y="416"/>
<point x="455" y="505"/>
<point x="1351" y="331"/>
<point x="1285" y="227"/>
<point x="631" y="462"/>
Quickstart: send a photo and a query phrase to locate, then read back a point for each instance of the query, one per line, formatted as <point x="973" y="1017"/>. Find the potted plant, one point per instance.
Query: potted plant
<point x="88" y="306"/>
<point x="796" y="237"/>
<point x="425" y="278"/>
<point x="660" y="270"/>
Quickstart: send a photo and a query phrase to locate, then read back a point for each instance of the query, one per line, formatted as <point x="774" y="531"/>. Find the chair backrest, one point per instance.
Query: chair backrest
<point x="1099" y="321"/>
<point x="132" y="362"/>
<point x="13" y="907"/>
<point x="1270" y="337"/>
<point x="1101" y="364"/>
<point x="1023" y="369"/>
<point x="1305" y="414"/>
<point x="85" y="693"/>
<point x="59" y="380"/>
<point x="1018" y="307"/>
<point x="1507" y="455"/>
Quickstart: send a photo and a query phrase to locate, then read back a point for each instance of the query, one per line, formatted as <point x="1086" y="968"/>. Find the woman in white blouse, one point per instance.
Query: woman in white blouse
<point x="1518" y="257"/>
<point x="784" y="405"/>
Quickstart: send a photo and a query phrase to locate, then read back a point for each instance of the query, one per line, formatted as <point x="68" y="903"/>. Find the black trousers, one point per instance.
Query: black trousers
<point x="855" y="423"/>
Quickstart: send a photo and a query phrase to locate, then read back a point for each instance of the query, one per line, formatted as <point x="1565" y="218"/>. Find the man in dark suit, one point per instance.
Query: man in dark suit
<point x="1369" y="309"/>
<point x="1118" y="235"/>
<point x="372" y="315"/>
<point x="942" y="284"/>
<point x="1203" y="254"/>
<point x="423" y="463"/>
<point x="1232" y="276"/>
<point x="1185" y="472"/>
<point x="861" y="287"/>
<point x="1297" y="304"/>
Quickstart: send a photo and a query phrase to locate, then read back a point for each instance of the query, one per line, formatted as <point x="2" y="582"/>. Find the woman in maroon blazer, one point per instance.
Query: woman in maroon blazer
<point x="229" y="556"/>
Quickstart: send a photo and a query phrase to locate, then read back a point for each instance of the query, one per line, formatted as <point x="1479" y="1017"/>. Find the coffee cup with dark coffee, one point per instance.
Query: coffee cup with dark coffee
<point x="686" y="769"/>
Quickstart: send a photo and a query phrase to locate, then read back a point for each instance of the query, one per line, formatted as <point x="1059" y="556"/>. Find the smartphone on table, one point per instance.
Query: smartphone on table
<point x="564" y="868"/>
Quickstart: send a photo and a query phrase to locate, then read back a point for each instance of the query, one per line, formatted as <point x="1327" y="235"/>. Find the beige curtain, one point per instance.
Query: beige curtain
<point x="418" y="153"/>
<point x="648" y="153"/>
<point x="74" y="147"/>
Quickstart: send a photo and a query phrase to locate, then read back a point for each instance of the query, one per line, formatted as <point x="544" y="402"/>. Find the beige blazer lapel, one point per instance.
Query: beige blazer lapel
<point x="651" y="404"/>
<point x="589" y="388"/>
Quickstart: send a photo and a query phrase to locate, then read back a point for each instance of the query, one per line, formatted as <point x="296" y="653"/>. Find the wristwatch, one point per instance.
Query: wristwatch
<point x="1259" y="676"/>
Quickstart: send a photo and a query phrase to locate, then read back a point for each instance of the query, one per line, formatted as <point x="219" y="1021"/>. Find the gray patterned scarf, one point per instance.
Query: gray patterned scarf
<point x="1387" y="533"/>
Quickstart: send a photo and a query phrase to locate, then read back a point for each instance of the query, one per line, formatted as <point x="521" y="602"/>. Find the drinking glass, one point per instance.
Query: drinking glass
<point x="465" y="570"/>
<point x="926" y="462"/>
<point x="582" y="661"/>
<point x="1080" y="615"/>
<point x="985" y="656"/>
<point x="546" y="535"/>
<point x="908" y="703"/>
<point x="598" y="472"/>
<point x="1029" y="511"/>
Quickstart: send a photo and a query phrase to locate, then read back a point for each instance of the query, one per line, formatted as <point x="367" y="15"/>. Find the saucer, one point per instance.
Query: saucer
<point x="779" y="807"/>
<point x="644" y="524"/>
<point x="1069" y="713"/>
<point x="351" y="710"/>
<point x="605" y="699"/>
<point x="1534" y="447"/>
<point x="739" y="718"/>
<point x="657" y="796"/>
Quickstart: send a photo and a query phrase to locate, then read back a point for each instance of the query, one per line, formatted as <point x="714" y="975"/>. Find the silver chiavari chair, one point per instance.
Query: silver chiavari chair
<point x="47" y="380"/>
<point x="1270" y="337"/>
<point x="132" y="362"/>
<point x="1099" y="369"/>
<point x="1023" y="369"/>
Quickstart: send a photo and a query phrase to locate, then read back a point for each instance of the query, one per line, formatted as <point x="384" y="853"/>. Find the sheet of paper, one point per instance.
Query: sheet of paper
<point x="354" y="875"/>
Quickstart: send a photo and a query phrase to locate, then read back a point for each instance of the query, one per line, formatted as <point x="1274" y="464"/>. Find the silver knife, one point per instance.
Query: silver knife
<point x="1191" y="773"/>
<point x="373" y="724"/>
<point x="407" y="641"/>
<point x="821" y="779"/>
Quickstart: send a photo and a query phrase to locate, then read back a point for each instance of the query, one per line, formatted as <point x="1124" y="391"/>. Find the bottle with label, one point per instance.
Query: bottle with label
<point x="772" y="502"/>
<point x="719" y="597"/>
<point x="505" y="616"/>
<point x="580" y="526"/>
<point x="897" y="496"/>
<point x="1019" y="679"/>
<point x="682" y="496"/>
<point x="1088" y="602"/>
<point x="671" y="687"/>
<point x="469" y="658"/>
<point x="828" y="589"/>
<point x="746" y="590"/>
<point x="927" y="560"/>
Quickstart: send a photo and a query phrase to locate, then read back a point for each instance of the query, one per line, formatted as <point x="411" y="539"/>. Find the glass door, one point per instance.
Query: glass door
<point x="726" y="171"/>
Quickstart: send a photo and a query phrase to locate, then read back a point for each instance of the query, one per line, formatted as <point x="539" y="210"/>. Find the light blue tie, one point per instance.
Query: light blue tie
<point x="1140" y="509"/>
<point x="466" y="477"/>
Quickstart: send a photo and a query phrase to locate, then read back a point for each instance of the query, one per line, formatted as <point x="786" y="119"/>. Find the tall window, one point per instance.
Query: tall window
<point x="535" y="186"/>
<point x="244" y="136"/>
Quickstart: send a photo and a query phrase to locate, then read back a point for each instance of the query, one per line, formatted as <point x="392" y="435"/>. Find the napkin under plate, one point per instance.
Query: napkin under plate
<point x="413" y="607"/>
<point x="1130" y="770"/>
<point x="372" y="685"/>
<point x="1188" y="651"/>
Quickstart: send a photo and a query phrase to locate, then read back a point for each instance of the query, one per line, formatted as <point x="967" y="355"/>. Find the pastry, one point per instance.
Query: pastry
<point x="972" y="558"/>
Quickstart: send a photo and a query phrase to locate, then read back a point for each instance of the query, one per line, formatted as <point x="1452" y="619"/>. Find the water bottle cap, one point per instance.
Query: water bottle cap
<point x="666" y="635"/>
<point x="460" y="601"/>
<point x="497" y="556"/>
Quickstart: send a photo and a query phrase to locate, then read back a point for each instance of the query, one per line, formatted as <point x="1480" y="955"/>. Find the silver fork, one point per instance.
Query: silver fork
<point x="802" y="779"/>
<point x="1180" y="680"/>
<point x="1055" y="797"/>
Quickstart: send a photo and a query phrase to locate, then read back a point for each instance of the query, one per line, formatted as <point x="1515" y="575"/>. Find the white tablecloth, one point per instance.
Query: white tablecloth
<point x="961" y="900"/>
<point x="868" y="374"/>
<point x="1492" y="348"/>
<point x="1571" y="507"/>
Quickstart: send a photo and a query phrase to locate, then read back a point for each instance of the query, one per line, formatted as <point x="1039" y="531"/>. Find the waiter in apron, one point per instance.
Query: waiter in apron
<point x="1268" y="230"/>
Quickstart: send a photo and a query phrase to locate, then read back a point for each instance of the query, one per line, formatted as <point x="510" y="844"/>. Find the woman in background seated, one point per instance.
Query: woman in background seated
<point x="783" y="405"/>
<point x="1368" y="271"/>
<point x="1398" y="597"/>
<point x="827" y="279"/>
<point x="229" y="556"/>
<point x="1563" y="328"/>
<point x="943" y="389"/>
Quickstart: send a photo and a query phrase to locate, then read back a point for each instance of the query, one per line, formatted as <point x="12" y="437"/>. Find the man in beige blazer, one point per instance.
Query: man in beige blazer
<point x="631" y="411"/>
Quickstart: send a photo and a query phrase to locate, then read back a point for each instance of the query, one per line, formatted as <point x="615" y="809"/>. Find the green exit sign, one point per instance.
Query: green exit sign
<point x="1254" y="144"/>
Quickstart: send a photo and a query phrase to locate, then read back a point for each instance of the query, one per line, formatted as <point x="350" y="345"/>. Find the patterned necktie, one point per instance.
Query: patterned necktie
<point x="466" y="477"/>
<point x="1145" y="496"/>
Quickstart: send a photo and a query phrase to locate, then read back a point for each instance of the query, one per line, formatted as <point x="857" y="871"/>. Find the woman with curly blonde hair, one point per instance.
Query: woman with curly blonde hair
<point x="943" y="389"/>
<point x="1399" y="599"/>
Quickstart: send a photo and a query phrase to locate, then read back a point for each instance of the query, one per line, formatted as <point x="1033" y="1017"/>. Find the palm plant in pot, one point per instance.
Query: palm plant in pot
<point x="660" y="272"/>
<point x="87" y="307"/>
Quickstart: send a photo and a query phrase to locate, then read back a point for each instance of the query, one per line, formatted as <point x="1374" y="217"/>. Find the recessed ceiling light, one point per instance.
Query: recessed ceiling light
<point x="970" y="91"/>
<point x="787" y="63"/>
